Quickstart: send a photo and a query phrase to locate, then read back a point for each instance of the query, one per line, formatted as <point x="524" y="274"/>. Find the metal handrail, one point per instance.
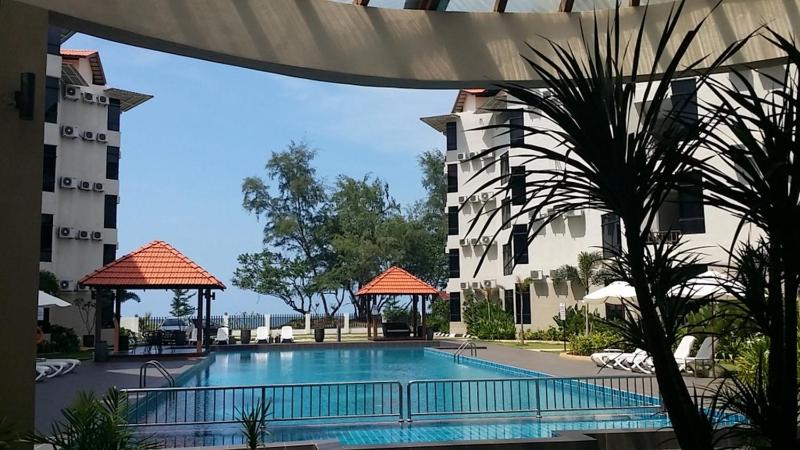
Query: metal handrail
<point x="160" y="367"/>
<point x="473" y="349"/>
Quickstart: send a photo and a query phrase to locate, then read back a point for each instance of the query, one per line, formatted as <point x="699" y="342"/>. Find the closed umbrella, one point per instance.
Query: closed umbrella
<point x="46" y="299"/>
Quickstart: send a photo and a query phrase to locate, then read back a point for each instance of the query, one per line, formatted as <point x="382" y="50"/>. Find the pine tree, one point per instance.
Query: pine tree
<point x="180" y="303"/>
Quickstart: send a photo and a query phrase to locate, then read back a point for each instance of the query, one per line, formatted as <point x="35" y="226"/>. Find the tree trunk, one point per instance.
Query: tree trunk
<point x="776" y="393"/>
<point x="686" y="419"/>
<point x="781" y="388"/>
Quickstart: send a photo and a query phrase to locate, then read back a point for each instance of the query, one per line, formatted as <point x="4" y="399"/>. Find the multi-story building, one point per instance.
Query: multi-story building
<point x="509" y="259"/>
<point x="80" y="189"/>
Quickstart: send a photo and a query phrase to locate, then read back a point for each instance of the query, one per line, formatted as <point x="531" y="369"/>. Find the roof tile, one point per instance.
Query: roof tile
<point x="396" y="281"/>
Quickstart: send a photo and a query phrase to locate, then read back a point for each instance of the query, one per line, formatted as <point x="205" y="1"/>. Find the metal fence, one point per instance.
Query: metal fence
<point x="390" y="399"/>
<point x="289" y="402"/>
<point x="235" y="322"/>
<point x="296" y="321"/>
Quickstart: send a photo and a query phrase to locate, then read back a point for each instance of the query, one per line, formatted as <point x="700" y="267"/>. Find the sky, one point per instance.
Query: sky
<point x="186" y="151"/>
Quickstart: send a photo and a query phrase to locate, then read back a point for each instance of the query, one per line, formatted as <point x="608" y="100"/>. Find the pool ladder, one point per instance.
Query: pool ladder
<point x="466" y="345"/>
<point x="160" y="367"/>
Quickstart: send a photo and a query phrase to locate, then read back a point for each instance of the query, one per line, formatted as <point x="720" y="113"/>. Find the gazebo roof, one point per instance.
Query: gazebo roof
<point x="396" y="281"/>
<point x="156" y="265"/>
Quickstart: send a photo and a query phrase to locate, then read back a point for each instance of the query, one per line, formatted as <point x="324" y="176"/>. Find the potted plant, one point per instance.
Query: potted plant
<point x="246" y="334"/>
<point x="319" y="326"/>
<point x="125" y="338"/>
<point x="86" y="309"/>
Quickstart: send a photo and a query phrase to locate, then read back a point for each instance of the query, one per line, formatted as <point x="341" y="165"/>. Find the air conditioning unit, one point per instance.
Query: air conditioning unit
<point x="485" y="240"/>
<point x="97" y="235"/>
<point x="82" y="234"/>
<point x="85" y="185"/>
<point x="67" y="183"/>
<point x="88" y="135"/>
<point x="98" y="187"/>
<point x="485" y="196"/>
<point x="102" y="100"/>
<point x="464" y="285"/>
<point x="87" y="97"/>
<point x="489" y="283"/>
<point x="475" y="198"/>
<point x="538" y="275"/>
<point x="476" y="284"/>
<point x="72" y="92"/>
<point x="463" y="242"/>
<point x="102" y="137"/>
<point x="66" y="232"/>
<point x="553" y="273"/>
<point x="471" y="154"/>
<point x="462" y="199"/>
<point x="474" y="241"/>
<point x="574" y="213"/>
<point x="80" y="287"/>
<point x="119" y="199"/>
<point x="462" y="156"/>
<point x="68" y="131"/>
<point x="66" y="285"/>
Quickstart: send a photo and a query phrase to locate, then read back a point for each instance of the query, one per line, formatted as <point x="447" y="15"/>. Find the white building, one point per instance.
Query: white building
<point x="80" y="190"/>
<point x="560" y="242"/>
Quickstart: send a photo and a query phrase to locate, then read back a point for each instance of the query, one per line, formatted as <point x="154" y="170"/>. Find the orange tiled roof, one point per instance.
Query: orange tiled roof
<point x="398" y="282"/>
<point x="157" y="265"/>
<point x="98" y="74"/>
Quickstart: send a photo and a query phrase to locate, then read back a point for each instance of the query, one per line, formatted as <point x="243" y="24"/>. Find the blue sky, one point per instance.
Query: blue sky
<point x="186" y="151"/>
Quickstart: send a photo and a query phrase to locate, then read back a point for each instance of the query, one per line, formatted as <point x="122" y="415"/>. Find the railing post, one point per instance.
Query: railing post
<point x="408" y="402"/>
<point x="308" y="323"/>
<point x="268" y="323"/>
<point x="347" y="324"/>
<point x="400" y="400"/>
<point x="538" y="402"/>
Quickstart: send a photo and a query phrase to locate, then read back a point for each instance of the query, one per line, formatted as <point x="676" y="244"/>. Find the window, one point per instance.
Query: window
<point x="505" y="214"/>
<point x="615" y="312"/>
<point x="504" y="168"/>
<point x="508" y="259"/>
<point x="54" y="41"/>
<point x="46" y="239"/>
<point x="519" y="236"/>
<point x="691" y="214"/>
<point x="452" y="221"/>
<point x="684" y="101"/>
<point x="109" y="253"/>
<point x="452" y="178"/>
<point x="110" y="212"/>
<point x="112" y="163"/>
<point x="455" y="264"/>
<point x="516" y="122"/>
<point x="508" y="300"/>
<point x="612" y="235"/>
<point x="114" y="112"/>
<point x="518" y="185"/>
<point x="523" y="315"/>
<point x="450" y="131"/>
<point x="455" y="307"/>
<point x="51" y="91"/>
<point x="49" y="169"/>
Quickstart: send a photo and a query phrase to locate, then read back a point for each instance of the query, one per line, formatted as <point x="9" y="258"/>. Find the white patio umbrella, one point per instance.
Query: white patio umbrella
<point x="46" y="299"/>
<point x="617" y="289"/>
<point x="710" y="284"/>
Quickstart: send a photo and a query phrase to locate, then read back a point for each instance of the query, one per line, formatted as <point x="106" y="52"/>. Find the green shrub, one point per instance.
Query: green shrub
<point x="582" y="344"/>
<point x="62" y="340"/>
<point x="550" y="334"/>
<point x="486" y="319"/>
<point x="439" y="318"/>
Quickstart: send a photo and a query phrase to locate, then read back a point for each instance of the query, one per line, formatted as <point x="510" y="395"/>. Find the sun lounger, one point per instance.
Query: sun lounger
<point x="287" y="335"/>
<point x="601" y="359"/>
<point x="704" y="358"/>
<point x="223" y="335"/>
<point x="262" y="334"/>
<point x="193" y="336"/>
<point x="56" y="367"/>
<point x="42" y="371"/>
<point x="69" y="364"/>
<point x="683" y="351"/>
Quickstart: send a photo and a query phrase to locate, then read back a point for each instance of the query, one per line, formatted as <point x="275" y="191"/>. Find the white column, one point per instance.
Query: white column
<point x="346" y="329"/>
<point x="267" y="321"/>
<point x="308" y="323"/>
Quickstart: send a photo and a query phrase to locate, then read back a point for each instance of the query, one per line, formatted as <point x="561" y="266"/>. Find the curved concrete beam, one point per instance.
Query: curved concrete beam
<point x="330" y="41"/>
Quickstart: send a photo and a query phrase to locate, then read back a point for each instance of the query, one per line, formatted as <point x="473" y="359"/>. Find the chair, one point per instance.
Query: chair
<point x="287" y="335"/>
<point x="42" y="371"/>
<point x="602" y="359"/>
<point x="56" y="367"/>
<point x="683" y="351"/>
<point x="633" y="363"/>
<point x="193" y="336"/>
<point x="67" y="364"/>
<point x="223" y="335"/>
<point x="262" y="334"/>
<point x="704" y="357"/>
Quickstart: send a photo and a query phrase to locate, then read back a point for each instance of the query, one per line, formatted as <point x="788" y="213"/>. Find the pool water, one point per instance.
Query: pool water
<point x="244" y="368"/>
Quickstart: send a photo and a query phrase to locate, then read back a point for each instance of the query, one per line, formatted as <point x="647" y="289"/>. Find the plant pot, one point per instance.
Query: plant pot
<point x="429" y="334"/>
<point x="246" y="336"/>
<point x="124" y="343"/>
<point x="88" y="340"/>
<point x="319" y="334"/>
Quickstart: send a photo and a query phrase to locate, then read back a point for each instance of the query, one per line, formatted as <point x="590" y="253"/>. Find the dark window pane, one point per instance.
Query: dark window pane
<point x="518" y="185"/>
<point x="505" y="213"/>
<point x="508" y="300"/>
<point x="455" y="264"/>
<point x="114" y="112"/>
<point x="452" y="178"/>
<point x="46" y="239"/>
<point x="51" y="91"/>
<point x="54" y="40"/>
<point x="691" y="214"/>
<point x="452" y="220"/>
<point x="110" y="213"/>
<point x="49" y="169"/>
<point x="519" y="236"/>
<point x="452" y="141"/>
<point x="109" y="253"/>
<point x="505" y="168"/>
<point x="615" y="312"/>
<point x="684" y="104"/>
<point x="612" y="235"/>
<point x="455" y="307"/>
<point x="523" y="315"/>
<point x="112" y="163"/>
<point x="508" y="259"/>
<point x="515" y="123"/>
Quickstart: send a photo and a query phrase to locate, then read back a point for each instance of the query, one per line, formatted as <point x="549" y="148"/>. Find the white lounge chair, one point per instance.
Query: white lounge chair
<point x="287" y="335"/>
<point x="635" y="362"/>
<point x="601" y="359"/>
<point x="193" y="336"/>
<point x="703" y="359"/>
<point x="42" y="371"/>
<point x="223" y="335"/>
<point x="262" y="334"/>
<point x="56" y="367"/>
<point x="68" y="364"/>
<point x="683" y="351"/>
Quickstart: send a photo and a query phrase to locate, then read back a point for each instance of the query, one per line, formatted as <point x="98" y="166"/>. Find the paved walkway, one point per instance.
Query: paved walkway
<point x="57" y="393"/>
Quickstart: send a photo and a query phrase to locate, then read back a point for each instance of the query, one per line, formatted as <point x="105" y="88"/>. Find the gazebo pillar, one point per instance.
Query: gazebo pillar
<point x="207" y="338"/>
<point x="117" y="317"/>
<point x="414" y="312"/>
<point x="374" y="319"/>
<point x="424" y="328"/>
<point x="98" y="320"/>
<point x="199" y="321"/>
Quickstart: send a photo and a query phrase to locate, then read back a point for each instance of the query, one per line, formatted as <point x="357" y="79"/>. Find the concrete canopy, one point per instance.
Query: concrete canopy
<point x="346" y="43"/>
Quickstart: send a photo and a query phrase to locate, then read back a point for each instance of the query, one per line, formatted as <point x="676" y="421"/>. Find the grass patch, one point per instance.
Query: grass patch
<point x="83" y="355"/>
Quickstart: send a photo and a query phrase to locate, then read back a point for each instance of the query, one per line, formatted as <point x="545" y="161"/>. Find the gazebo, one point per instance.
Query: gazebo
<point x="396" y="281"/>
<point x="156" y="265"/>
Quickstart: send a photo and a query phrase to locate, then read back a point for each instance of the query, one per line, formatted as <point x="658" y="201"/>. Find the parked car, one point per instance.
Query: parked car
<point x="173" y="325"/>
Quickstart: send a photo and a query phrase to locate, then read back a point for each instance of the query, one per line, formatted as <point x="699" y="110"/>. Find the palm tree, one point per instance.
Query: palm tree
<point x="606" y="155"/>
<point x="758" y="182"/>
